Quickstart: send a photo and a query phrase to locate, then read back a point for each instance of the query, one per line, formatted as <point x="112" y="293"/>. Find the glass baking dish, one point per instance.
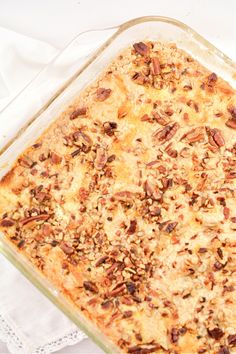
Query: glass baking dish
<point x="40" y="103"/>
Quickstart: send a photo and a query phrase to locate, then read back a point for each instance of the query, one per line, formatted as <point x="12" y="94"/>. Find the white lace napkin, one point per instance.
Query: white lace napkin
<point x="29" y="323"/>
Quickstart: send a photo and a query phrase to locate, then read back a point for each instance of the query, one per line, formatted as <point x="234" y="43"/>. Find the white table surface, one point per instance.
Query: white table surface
<point x="59" y="21"/>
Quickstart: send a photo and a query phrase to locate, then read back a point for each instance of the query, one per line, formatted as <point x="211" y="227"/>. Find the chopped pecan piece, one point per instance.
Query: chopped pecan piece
<point x="103" y="94"/>
<point x="166" y="133"/>
<point x="78" y="112"/>
<point x="151" y="190"/>
<point x="82" y="140"/>
<point x="101" y="158"/>
<point x="117" y="290"/>
<point x="232" y="111"/>
<point x="215" y="333"/>
<point x="91" y="286"/>
<point x="232" y="340"/>
<point x="194" y="135"/>
<point x="144" y="349"/>
<point x="140" y="79"/>
<point x="21" y="244"/>
<point x="67" y="249"/>
<point x="132" y="228"/>
<point x="40" y="217"/>
<point x="231" y="175"/>
<point x="26" y="161"/>
<point x="174" y="335"/>
<point x="202" y="250"/>
<point x="7" y="222"/>
<point x="141" y="48"/>
<point x="131" y="287"/>
<point x="168" y="226"/>
<point x="231" y="123"/>
<point x="215" y="137"/>
<point x="223" y="350"/>
<point x="156" y="67"/>
<point x="75" y="152"/>
<point x="124" y="196"/>
<point x="55" y="158"/>
<point x="127" y="314"/>
<point x="211" y="79"/>
<point x="101" y="260"/>
<point x="111" y="158"/>
<point x="109" y="128"/>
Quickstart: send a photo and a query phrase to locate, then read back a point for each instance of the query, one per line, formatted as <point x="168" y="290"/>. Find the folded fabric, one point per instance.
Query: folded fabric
<point x="29" y="322"/>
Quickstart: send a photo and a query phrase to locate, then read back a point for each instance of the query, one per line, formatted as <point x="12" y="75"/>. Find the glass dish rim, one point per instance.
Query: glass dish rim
<point x="8" y="253"/>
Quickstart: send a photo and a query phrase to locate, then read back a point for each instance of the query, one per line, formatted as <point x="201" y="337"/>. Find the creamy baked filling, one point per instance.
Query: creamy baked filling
<point x="127" y="204"/>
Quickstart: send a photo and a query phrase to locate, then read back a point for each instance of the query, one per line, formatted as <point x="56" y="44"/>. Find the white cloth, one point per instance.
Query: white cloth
<point x="29" y="322"/>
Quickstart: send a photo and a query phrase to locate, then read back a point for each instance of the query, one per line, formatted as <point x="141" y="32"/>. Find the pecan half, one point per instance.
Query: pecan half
<point x="40" y="217"/>
<point x="166" y="133"/>
<point x="194" y="135"/>
<point x="67" y="249"/>
<point x="7" y="222"/>
<point x="162" y="120"/>
<point x="82" y="140"/>
<point x="215" y="137"/>
<point x="103" y="94"/>
<point x="101" y="158"/>
<point x="141" y="48"/>
<point x="156" y="67"/>
<point x="215" y="333"/>
<point x="90" y="286"/>
<point x="78" y="112"/>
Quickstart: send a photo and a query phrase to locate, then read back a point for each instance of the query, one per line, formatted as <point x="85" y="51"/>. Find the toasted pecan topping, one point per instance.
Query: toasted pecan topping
<point x="166" y="133"/>
<point x="215" y="333"/>
<point x="91" y="286"/>
<point x="156" y="67"/>
<point x="101" y="158"/>
<point x="40" y="217"/>
<point x="215" y="137"/>
<point x="141" y="48"/>
<point x="78" y="112"/>
<point x="67" y="249"/>
<point x="55" y="158"/>
<point x="7" y="222"/>
<point x="103" y="94"/>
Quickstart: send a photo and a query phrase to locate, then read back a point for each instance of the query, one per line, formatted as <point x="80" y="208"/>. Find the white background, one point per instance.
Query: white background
<point x="59" y="21"/>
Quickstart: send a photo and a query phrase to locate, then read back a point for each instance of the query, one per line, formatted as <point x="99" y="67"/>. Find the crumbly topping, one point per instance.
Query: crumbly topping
<point x="127" y="204"/>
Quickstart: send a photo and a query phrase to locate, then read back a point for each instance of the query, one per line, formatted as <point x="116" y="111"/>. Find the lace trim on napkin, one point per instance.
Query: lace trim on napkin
<point x="9" y="335"/>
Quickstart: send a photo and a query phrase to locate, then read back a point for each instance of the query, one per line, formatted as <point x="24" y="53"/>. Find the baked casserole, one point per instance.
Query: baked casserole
<point x="127" y="203"/>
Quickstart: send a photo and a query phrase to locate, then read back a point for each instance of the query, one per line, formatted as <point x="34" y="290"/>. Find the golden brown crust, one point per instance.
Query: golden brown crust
<point x="127" y="203"/>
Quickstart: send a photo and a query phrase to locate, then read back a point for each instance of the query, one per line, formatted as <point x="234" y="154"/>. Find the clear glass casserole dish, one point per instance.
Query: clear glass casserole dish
<point x="60" y="83"/>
